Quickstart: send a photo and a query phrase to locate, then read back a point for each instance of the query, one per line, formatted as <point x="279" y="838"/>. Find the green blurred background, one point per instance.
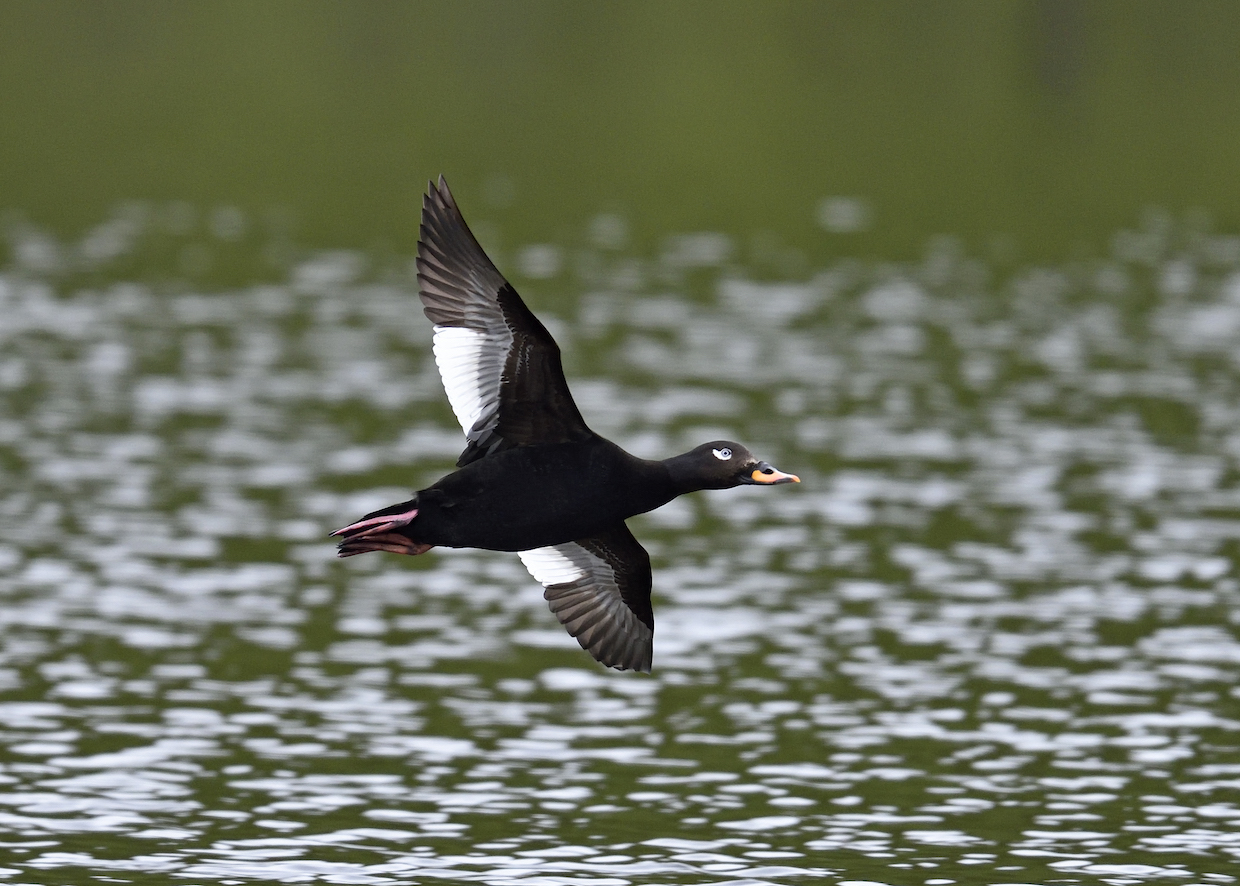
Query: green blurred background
<point x="1043" y="125"/>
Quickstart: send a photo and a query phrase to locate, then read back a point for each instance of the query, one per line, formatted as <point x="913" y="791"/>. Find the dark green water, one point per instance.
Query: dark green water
<point x="1032" y="129"/>
<point x="990" y="639"/>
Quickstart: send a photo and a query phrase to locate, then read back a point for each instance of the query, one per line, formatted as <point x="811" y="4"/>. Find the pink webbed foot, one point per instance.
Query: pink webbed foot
<point x="377" y="523"/>
<point x="392" y="542"/>
<point x="377" y="531"/>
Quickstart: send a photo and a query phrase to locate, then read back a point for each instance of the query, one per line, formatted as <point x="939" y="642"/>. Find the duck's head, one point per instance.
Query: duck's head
<point x="722" y="464"/>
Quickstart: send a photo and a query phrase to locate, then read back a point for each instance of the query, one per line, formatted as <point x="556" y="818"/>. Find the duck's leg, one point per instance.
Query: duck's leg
<point x="381" y="521"/>
<point x="378" y="531"/>
<point x="392" y="542"/>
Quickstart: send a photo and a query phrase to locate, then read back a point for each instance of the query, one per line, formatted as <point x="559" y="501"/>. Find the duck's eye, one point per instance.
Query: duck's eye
<point x="722" y="454"/>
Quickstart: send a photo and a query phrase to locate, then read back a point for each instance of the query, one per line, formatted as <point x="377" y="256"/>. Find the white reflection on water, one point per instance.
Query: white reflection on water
<point x="992" y="633"/>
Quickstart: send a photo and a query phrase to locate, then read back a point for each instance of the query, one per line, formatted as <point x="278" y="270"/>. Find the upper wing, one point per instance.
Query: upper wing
<point x="499" y="365"/>
<point x="599" y="589"/>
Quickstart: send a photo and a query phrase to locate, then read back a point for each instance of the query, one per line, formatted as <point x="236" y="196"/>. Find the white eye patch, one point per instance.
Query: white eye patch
<point x="722" y="454"/>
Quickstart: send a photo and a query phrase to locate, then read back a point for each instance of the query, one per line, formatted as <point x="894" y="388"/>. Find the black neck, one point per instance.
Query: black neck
<point x="683" y="474"/>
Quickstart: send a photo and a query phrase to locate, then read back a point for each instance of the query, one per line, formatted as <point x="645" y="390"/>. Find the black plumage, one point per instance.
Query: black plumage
<point x="533" y="477"/>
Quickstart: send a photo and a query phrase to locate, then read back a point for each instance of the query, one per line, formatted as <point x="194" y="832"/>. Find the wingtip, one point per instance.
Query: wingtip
<point x="439" y="208"/>
<point x="635" y="667"/>
<point x="449" y="255"/>
<point x="438" y="194"/>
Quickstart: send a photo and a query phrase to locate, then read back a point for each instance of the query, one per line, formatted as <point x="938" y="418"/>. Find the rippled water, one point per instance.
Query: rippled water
<point x="991" y="638"/>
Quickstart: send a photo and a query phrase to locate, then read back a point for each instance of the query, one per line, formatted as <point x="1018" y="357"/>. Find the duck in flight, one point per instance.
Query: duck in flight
<point x="534" y="478"/>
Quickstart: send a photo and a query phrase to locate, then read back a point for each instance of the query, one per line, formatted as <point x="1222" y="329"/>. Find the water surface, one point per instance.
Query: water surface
<point x="991" y="638"/>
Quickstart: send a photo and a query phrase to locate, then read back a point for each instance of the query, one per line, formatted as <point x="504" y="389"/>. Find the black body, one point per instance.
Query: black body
<point x="535" y="496"/>
<point x="533" y="477"/>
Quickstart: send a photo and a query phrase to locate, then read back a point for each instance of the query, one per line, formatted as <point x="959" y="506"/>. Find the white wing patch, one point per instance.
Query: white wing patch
<point x="584" y="594"/>
<point x="557" y="565"/>
<point x="471" y="364"/>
